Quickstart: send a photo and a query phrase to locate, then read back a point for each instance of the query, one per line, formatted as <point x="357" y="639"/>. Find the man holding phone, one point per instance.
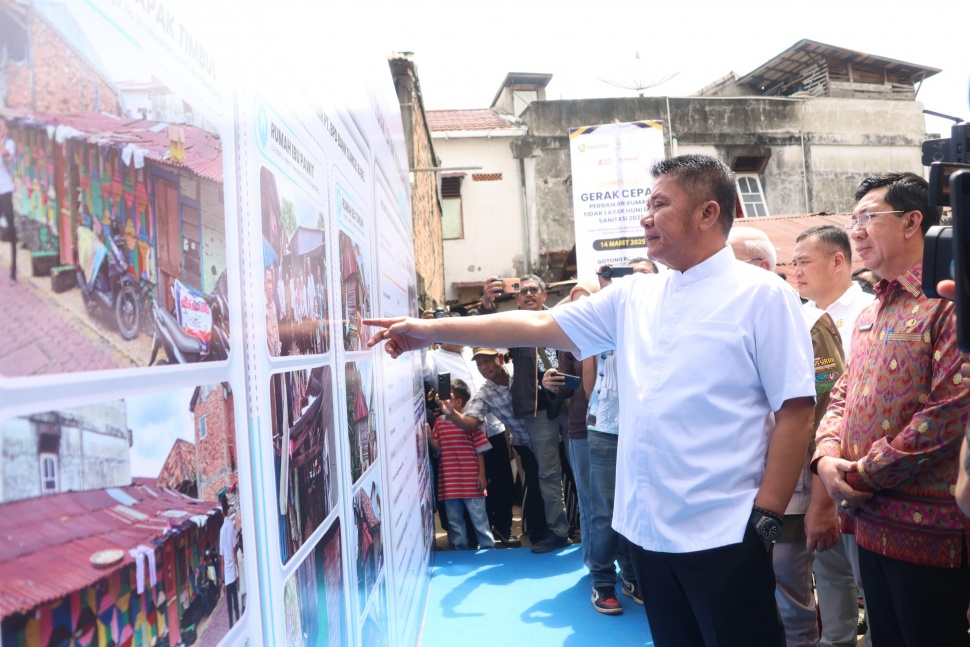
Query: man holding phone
<point x="532" y="405"/>
<point x="888" y="445"/>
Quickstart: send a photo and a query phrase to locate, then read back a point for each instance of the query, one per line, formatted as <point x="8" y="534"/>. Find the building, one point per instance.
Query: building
<point x="215" y="440"/>
<point x="800" y="131"/>
<point x="83" y="448"/>
<point x="76" y="582"/>
<point x="425" y="205"/>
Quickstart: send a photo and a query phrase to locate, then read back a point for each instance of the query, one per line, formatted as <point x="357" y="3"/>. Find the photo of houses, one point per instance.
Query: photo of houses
<point x="313" y="597"/>
<point x="133" y="497"/>
<point x="118" y="201"/>
<point x="294" y="270"/>
<point x="355" y="291"/>
<point x="304" y="453"/>
<point x="361" y="417"/>
<point x="368" y="517"/>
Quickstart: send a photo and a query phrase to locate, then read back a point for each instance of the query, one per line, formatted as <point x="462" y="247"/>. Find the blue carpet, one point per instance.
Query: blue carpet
<point x="496" y="598"/>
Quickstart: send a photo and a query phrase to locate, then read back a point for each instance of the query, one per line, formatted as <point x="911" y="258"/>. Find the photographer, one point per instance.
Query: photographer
<point x="887" y="446"/>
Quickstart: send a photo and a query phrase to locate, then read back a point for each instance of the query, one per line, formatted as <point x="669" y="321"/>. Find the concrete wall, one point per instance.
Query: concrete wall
<point x="818" y="149"/>
<point x="492" y="242"/>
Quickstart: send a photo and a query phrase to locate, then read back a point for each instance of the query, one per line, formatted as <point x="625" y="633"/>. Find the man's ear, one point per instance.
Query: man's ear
<point x="710" y="211"/>
<point x="914" y="221"/>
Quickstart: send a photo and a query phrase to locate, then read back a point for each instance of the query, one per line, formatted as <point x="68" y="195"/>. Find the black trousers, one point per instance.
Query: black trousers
<point x="6" y="209"/>
<point x="722" y="597"/>
<point x="232" y="600"/>
<point x="501" y="487"/>
<point x="533" y="509"/>
<point x="911" y="605"/>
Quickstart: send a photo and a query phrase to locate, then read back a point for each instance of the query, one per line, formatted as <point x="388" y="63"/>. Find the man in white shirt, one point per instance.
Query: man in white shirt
<point x="823" y="275"/>
<point x="7" y="151"/>
<point x="709" y="349"/>
<point x="227" y="550"/>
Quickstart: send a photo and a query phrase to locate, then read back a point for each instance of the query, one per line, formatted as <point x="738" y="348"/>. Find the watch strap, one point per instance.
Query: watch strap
<point x="768" y="513"/>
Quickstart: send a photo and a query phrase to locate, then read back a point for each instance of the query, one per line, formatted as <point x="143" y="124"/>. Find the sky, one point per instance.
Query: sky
<point x="464" y="49"/>
<point x="156" y="422"/>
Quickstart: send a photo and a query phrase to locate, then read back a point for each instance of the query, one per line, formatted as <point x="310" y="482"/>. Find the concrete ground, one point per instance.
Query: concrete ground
<point x="43" y="333"/>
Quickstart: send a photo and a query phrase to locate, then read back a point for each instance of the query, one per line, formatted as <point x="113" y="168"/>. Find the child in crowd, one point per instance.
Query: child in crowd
<point x="462" y="471"/>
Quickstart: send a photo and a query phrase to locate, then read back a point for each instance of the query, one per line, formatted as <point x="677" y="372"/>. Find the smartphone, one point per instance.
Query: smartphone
<point x="571" y="381"/>
<point x="510" y="285"/>
<point x="444" y="386"/>
<point x="614" y="271"/>
<point x="960" y="201"/>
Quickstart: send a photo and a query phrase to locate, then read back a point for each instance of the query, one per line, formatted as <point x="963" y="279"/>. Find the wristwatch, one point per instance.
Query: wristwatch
<point x="766" y="523"/>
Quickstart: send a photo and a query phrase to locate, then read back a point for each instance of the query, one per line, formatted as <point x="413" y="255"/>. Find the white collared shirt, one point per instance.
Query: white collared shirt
<point x="845" y="310"/>
<point x="703" y="357"/>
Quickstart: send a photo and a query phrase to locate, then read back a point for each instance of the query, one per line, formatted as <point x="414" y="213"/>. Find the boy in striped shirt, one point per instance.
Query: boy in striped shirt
<point x="462" y="471"/>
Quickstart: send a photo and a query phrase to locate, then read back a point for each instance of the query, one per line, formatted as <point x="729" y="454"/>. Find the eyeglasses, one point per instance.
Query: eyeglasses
<point x="865" y="218"/>
<point x="530" y="290"/>
<point x="753" y="260"/>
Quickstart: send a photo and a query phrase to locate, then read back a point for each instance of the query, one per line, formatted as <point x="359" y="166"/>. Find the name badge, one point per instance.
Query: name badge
<point x="865" y="327"/>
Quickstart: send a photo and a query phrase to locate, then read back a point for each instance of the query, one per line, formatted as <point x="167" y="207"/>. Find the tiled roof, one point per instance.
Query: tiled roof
<point x="480" y="119"/>
<point x="48" y="541"/>
<point x="783" y="230"/>
<point x="203" y="150"/>
<point x="179" y="467"/>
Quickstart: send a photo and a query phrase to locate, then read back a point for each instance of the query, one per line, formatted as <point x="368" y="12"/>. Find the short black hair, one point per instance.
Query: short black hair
<point x="642" y="259"/>
<point x="533" y="277"/>
<point x="835" y="238"/>
<point x="707" y="176"/>
<point x="460" y="390"/>
<point x="907" y="192"/>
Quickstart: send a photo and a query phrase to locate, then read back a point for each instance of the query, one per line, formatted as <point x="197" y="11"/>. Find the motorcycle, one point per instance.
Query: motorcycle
<point x="104" y="279"/>
<point x="199" y="329"/>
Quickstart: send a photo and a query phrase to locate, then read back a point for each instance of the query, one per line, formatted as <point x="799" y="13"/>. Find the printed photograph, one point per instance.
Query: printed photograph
<point x="361" y="417"/>
<point x="368" y="515"/>
<point x="313" y="597"/>
<point x="294" y="269"/>
<point x="355" y="291"/>
<point x="304" y="453"/>
<point x="115" y="255"/>
<point x="142" y="534"/>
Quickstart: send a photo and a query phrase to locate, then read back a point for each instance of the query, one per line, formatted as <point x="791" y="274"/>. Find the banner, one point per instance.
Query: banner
<point x="611" y="185"/>
<point x="175" y="185"/>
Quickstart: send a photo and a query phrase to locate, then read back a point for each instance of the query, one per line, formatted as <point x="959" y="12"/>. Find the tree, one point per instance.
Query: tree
<point x="288" y="218"/>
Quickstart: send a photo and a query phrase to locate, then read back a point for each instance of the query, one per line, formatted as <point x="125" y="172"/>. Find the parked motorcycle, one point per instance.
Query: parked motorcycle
<point x="198" y="331"/>
<point x="104" y="279"/>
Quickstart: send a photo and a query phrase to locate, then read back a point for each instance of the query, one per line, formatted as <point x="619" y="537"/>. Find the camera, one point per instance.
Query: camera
<point x="946" y="252"/>
<point x="439" y="313"/>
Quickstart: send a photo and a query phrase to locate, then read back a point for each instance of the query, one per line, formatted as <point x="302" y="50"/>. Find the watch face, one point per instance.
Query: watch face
<point x="769" y="529"/>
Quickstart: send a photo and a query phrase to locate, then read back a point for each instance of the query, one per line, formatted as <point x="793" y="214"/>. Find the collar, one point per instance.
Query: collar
<point x="706" y="268"/>
<point x="911" y="280"/>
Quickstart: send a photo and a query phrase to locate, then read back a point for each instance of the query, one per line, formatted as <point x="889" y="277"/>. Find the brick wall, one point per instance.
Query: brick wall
<point x="63" y="82"/>
<point x="217" y="451"/>
<point x="429" y="258"/>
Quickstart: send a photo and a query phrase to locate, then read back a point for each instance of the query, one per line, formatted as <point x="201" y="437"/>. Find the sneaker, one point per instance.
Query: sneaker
<point x="604" y="600"/>
<point x="550" y="542"/>
<point x="632" y="591"/>
<point x="506" y="541"/>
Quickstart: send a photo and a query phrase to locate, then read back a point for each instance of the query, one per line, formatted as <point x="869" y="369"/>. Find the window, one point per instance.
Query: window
<point x="751" y="197"/>
<point x="451" y="217"/>
<point x="48" y="474"/>
<point x="201" y="426"/>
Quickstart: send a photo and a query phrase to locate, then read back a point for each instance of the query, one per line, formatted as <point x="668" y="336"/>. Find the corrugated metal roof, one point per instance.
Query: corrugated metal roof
<point x="46" y="543"/>
<point x="783" y="230"/>
<point x="203" y="150"/>
<point x="478" y="119"/>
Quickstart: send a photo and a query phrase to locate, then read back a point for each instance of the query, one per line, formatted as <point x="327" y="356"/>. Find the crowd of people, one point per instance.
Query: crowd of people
<point x="741" y="452"/>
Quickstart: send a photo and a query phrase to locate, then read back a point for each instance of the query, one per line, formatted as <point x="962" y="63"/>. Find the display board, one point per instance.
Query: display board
<point x="611" y="185"/>
<point x="197" y="446"/>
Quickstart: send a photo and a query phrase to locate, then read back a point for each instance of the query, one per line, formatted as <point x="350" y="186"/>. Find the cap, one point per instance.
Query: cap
<point x="478" y="350"/>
